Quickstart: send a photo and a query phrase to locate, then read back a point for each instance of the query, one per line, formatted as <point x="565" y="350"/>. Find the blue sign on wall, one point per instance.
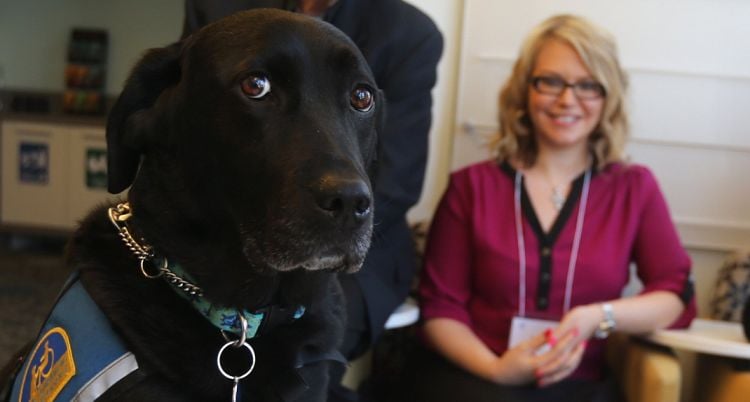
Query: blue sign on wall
<point x="33" y="160"/>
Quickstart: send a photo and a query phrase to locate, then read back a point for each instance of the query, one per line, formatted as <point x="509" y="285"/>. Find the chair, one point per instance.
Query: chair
<point x="726" y="379"/>
<point x="732" y="287"/>
<point x="645" y="372"/>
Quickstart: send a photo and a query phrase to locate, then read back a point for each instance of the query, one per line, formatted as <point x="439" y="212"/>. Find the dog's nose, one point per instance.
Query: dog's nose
<point x="344" y="199"/>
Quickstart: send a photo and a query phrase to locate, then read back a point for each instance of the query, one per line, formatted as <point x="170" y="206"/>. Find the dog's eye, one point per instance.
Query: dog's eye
<point x="256" y="86"/>
<point x="361" y="99"/>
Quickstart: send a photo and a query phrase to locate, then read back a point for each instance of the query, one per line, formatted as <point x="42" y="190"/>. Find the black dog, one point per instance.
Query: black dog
<point x="247" y="147"/>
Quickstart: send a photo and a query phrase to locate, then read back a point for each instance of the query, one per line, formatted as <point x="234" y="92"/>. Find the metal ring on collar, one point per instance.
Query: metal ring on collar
<point x="164" y="266"/>
<point x="221" y="369"/>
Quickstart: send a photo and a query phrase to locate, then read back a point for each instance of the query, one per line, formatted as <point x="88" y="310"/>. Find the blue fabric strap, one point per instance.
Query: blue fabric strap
<point x="225" y="318"/>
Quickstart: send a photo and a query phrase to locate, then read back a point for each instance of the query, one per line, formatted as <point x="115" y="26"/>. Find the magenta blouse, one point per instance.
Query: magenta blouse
<point x="471" y="271"/>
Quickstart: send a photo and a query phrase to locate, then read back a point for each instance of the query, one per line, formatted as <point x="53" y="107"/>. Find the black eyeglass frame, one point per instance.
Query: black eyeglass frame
<point x="577" y="87"/>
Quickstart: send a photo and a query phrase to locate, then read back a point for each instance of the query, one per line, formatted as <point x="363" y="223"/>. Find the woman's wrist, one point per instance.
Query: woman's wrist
<point x="509" y="370"/>
<point x="588" y="318"/>
<point x="498" y="371"/>
<point x="489" y="368"/>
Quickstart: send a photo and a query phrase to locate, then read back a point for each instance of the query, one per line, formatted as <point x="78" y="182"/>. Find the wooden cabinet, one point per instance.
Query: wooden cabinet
<point x="51" y="174"/>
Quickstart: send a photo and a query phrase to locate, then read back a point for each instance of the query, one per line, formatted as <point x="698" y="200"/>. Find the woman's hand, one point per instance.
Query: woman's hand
<point x="529" y="362"/>
<point x="562" y="359"/>
<point x="568" y="343"/>
<point x="519" y="364"/>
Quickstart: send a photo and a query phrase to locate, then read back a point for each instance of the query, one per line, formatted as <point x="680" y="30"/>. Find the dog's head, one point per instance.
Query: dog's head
<point x="257" y="131"/>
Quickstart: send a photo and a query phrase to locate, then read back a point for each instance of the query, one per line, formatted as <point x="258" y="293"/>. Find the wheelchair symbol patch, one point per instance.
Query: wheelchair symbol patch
<point x="50" y="367"/>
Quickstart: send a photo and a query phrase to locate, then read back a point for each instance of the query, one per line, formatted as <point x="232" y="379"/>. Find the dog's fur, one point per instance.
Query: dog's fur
<point x="261" y="201"/>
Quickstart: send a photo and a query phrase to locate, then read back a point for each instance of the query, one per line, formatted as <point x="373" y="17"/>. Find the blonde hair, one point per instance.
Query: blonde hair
<point x="597" y="49"/>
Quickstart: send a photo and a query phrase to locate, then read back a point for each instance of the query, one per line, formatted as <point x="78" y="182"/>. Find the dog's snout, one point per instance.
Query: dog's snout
<point x="344" y="199"/>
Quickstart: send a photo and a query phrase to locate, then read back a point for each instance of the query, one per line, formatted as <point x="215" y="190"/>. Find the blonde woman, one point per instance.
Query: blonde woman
<point x="528" y="254"/>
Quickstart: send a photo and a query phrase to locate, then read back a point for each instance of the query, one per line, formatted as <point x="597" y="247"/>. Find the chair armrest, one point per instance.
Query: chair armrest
<point x="724" y="379"/>
<point x="645" y="372"/>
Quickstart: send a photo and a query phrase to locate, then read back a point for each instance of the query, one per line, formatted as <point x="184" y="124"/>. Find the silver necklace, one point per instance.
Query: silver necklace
<point x="557" y="197"/>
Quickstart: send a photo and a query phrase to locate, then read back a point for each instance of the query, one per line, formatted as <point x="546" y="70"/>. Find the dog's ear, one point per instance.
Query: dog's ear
<point x="129" y="119"/>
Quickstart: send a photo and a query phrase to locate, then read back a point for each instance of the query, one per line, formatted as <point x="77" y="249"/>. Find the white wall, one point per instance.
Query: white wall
<point x="448" y="16"/>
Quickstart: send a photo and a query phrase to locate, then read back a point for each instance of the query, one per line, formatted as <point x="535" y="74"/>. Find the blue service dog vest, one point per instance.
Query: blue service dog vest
<point x="77" y="356"/>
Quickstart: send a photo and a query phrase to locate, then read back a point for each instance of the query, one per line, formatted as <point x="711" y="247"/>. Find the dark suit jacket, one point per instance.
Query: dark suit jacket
<point x="402" y="46"/>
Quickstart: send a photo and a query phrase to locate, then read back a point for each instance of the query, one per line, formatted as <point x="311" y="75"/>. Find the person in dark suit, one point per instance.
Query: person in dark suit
<point x="402" y="46"/>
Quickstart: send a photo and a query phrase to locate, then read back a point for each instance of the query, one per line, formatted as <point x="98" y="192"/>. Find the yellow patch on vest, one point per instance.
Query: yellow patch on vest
<point x="50" y="367"/>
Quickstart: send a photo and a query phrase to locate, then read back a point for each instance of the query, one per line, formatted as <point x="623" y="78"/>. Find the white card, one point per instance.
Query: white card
<point x="522" y="328"/>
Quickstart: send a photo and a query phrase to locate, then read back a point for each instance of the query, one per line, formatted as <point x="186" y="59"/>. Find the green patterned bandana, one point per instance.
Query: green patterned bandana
<point x="225" y="318"/>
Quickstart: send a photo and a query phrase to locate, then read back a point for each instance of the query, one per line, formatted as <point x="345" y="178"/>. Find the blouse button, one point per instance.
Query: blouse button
<point x="545" y="251"/>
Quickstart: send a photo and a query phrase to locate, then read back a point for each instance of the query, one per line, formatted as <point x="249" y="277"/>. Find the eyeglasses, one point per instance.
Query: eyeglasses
<point x="551" y="85"/>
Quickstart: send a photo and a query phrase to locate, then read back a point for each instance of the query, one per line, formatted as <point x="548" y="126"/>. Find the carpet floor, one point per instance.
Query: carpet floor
<point x="32" y="271"/>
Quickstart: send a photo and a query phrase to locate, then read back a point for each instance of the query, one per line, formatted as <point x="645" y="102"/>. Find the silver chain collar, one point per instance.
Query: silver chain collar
<point x="119" y="216"/>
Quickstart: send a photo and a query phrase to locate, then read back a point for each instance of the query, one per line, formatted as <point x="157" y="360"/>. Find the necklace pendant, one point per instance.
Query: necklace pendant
<point x="557" y="198"/>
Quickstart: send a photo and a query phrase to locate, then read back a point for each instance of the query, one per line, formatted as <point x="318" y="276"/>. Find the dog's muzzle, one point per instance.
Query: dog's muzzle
<point x="332" y="231"/>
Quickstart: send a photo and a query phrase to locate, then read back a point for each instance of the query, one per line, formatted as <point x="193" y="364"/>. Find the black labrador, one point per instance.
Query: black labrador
<point x="248" y="148"/>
